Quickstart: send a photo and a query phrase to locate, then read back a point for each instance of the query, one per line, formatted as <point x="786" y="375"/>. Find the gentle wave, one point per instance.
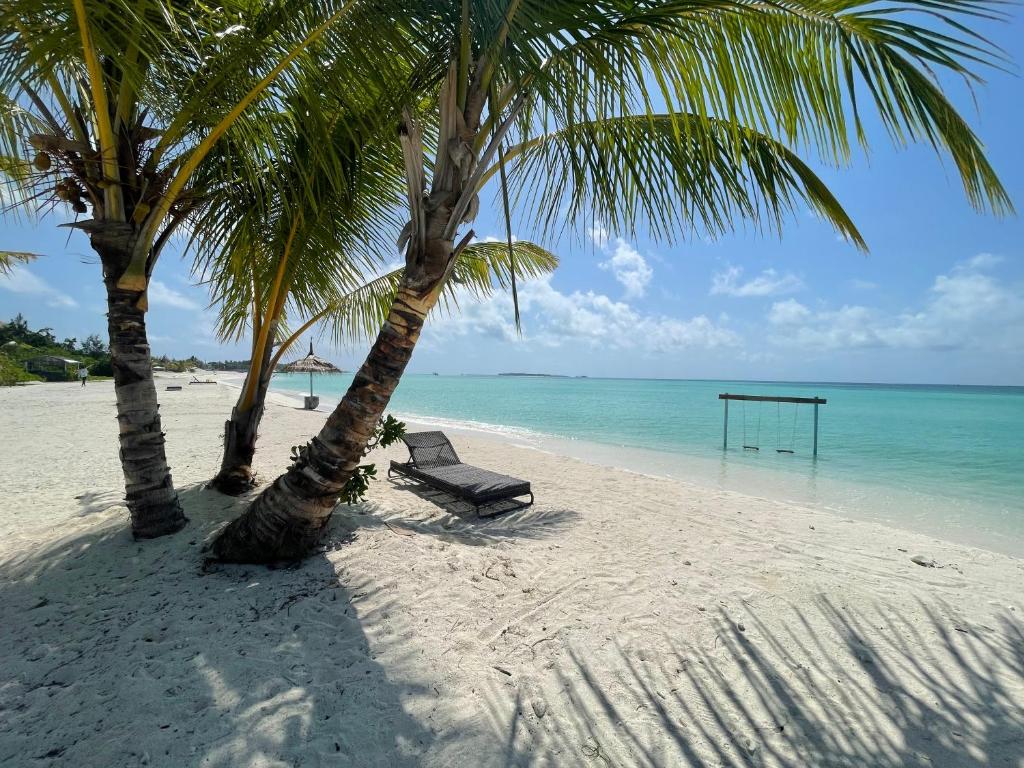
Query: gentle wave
<point x="470" y="425"/>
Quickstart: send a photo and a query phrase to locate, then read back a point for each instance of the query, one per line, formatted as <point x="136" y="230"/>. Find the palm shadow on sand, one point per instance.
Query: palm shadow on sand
<point x="131" y="654"/>
<point x="458" y="519"/>
<point x="761" y="697"/>
<point x="118" y="653"/>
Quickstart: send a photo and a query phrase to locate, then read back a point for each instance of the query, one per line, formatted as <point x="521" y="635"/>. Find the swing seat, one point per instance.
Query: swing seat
<point x="751" y="448"/>
<point x="784" y="450"/>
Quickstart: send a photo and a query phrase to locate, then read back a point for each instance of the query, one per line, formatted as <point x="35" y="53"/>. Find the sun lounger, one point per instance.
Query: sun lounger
<point x="433" y="462"/>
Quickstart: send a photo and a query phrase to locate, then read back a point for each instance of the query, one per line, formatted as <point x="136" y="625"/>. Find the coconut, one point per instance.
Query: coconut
<point x="42" y="162"/>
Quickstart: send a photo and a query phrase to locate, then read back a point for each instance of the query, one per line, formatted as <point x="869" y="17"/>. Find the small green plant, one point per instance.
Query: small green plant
<point x="388" y="431"/>
<point x="357" y="486"/>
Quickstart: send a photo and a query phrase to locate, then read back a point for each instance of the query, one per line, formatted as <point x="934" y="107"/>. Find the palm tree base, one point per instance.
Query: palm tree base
<point x="272" y="531"/>
<point x="159" y="519"/>
<point x="234" y="481"/>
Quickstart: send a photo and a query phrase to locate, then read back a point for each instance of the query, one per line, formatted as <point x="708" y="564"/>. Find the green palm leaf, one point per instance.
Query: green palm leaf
<point x="802" y="73"/>
<point x="689" y="173"/>
<point x="480" y="269"/>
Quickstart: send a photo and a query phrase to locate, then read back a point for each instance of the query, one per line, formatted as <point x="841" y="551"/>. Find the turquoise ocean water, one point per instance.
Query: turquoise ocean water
<point x="944" y="460"/>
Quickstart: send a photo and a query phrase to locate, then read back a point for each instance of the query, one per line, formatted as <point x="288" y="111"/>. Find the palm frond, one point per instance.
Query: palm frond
<point x="332" y="191"/>
<point x="481" y="269"/>
<point x="802" y="72"/>
<point x="689" y="173"/>
<point x="8" y="260"/>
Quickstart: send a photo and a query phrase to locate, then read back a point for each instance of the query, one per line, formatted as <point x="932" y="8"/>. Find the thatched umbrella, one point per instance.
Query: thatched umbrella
<point x="311" y="364"/>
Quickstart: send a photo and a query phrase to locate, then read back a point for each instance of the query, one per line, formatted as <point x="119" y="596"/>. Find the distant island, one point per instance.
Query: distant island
<point x="543" y="375"/>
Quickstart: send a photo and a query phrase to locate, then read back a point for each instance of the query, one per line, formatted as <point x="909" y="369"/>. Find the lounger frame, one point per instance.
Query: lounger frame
<point x="433" y="450"/>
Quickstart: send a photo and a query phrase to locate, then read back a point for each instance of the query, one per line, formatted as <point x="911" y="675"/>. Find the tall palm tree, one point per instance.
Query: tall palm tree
<point x="673" y="114"/>
<point x="112" y="107"/>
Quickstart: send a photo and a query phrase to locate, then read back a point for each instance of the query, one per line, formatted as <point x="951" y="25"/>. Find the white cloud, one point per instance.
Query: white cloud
<point x="161" y="295"/>
<point x="629" y="268"/>
<point x="23" y="281"/>
<point x="555" y="319"/>
<point x="624" y="261"/>
<point x="768" y="283"/>
<point x="599" y="234"/>
<point x="788" y="312"/>
<point x="964" y="309"/>
<point x="490" y="239"/>
<point x="979" y="263"/>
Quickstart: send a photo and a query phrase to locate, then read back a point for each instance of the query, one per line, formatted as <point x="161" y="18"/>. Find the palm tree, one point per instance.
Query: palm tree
<point x="112" y="107"/>
<point x="304" y="231"/>
<point x="678" y="115"/>
<point x="300" y="239"/>
<point x="350" y="317"/>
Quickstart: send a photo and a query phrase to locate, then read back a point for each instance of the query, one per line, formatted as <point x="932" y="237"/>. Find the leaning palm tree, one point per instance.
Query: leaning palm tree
<point x="112" y="107"/>
<point x="293" y="237"/>
<point x="674" y="115"/>
<point x="303" y="239"/>
<point x="349" y="318"/>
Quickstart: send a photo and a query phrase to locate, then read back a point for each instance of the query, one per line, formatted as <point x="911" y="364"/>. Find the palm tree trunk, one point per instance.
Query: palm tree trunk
<point x="287" y="519"/>
<point x="236" y="475"/>
<point x="149" y="491"/>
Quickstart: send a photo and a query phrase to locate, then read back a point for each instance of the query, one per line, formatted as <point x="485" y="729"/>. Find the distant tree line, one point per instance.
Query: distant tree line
<point x="179" y="366"/>
<point x="19" y="343"/>
<point x="228" y="365"/>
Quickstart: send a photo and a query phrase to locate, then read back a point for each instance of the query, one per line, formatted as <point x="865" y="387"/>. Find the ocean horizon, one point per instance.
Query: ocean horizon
<point x="943" y="459"/>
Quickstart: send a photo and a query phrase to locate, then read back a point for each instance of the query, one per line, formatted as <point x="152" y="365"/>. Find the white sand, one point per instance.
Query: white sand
<point x="623" y="621"/>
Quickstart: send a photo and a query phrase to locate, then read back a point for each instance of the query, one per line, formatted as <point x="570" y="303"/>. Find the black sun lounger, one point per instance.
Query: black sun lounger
<point x="433" y="462"/>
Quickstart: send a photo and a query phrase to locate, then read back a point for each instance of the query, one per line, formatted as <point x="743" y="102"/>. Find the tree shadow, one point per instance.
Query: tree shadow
<point x="458" y="520"/>
<point x="123" y="653"/>
<point x="821" y="686"/>
<point x="453" y="505"/>
<point x="92" y="502"/>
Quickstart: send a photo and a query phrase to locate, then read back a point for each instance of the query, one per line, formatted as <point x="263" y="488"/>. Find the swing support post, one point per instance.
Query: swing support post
<point x="816" y="430"/>
<point x="725" y="429"/>
<point x="815" y="401"/>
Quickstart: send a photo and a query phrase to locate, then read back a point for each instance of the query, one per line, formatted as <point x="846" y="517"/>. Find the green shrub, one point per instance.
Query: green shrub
<point x="101" y="367"/>
<point x="13" y="372"/>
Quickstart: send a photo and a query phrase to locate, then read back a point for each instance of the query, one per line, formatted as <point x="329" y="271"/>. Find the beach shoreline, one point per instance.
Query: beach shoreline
<point x="861" y="500"/>
<point x="627" y="617"/>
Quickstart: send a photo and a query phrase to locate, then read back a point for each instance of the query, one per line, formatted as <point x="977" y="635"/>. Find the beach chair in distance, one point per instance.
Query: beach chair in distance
<point x="433" y="462"/>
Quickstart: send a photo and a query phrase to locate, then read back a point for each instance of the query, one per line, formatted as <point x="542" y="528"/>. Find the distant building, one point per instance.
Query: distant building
<point x="52" y="368"/>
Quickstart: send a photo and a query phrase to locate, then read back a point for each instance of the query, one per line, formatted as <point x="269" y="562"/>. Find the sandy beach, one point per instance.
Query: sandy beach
<point x="624" y="620"/>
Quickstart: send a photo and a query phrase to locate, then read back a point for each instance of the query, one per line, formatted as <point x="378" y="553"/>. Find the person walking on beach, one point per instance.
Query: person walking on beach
<point x="83" y="374"/>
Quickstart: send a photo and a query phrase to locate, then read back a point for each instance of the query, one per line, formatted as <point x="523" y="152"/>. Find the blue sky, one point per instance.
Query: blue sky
<point x="939" y="298"/>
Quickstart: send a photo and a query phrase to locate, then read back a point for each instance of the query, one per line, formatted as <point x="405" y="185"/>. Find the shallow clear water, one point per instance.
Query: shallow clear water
<point x="946" y="460"/>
